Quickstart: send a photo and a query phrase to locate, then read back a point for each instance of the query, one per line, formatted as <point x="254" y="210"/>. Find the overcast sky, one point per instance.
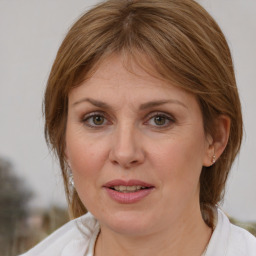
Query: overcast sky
<point x="31" y="32"/>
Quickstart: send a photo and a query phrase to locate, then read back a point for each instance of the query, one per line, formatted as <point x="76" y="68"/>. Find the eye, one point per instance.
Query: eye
<point x="98" y="120"/>
<point x="160" y="120"/>
<point x="95" y="120"/>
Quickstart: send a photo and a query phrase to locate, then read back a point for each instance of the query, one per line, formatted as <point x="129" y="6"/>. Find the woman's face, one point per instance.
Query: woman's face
<point x="136" y="146"/>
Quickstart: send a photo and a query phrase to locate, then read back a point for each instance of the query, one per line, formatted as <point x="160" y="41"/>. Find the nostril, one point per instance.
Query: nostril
<point x="126" y="156"/>
<point x="127" y="164"/>
<point x="115" y="162"/>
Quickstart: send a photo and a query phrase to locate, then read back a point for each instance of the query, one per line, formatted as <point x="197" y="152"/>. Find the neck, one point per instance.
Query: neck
<point x="187" y="236"/>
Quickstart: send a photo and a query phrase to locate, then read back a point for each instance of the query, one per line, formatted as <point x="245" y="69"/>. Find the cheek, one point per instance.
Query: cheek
<point x="86" y="158"/>
<point x="86" y="155"/>
<point x="179" y="160"/>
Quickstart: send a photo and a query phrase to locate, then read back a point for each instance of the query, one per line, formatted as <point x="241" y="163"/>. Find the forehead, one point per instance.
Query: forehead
<point x="122" y="65"/>
<point x="121" y="70"/>
<point x="119" y="82"/>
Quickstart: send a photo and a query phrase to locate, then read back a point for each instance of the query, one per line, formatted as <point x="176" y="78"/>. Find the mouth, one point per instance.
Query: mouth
<point x="128" y="186"/>
<point x="130" y="191"/>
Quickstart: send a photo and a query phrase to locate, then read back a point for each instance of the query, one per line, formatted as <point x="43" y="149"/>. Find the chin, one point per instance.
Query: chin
<point x="129" y="223"/>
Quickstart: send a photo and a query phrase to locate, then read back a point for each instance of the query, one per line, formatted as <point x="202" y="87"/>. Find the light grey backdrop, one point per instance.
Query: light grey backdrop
<point x="31" y="32"/>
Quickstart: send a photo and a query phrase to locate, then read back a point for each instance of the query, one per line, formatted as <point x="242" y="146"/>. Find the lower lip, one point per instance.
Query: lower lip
<point x="128" y="198"/>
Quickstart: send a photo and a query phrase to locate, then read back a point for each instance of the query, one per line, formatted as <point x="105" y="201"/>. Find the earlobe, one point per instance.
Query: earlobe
<point x="218" y="141"/>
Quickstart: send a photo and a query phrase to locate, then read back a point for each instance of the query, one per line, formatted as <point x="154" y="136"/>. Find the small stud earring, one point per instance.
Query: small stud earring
<point x="213" y="159"/>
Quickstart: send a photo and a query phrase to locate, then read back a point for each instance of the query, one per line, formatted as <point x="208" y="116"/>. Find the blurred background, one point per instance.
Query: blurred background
<point x="32" y="201"/>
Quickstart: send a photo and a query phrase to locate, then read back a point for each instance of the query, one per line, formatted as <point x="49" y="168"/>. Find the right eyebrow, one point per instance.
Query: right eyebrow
<point x="96" y="103"/>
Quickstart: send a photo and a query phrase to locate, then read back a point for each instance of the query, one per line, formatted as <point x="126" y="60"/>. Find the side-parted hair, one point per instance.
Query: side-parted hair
<point x="182" y="42"/>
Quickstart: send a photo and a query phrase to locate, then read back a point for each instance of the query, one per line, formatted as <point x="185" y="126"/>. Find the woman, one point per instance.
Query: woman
<point x="143" y="112"/>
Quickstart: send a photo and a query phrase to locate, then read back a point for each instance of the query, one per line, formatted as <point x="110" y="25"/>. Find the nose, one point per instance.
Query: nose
<point x="126" y="147"/>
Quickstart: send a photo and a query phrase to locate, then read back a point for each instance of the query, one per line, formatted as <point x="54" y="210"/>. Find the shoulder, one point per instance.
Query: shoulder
<point x="73" y="238"/>
<point x="230" y="240"/>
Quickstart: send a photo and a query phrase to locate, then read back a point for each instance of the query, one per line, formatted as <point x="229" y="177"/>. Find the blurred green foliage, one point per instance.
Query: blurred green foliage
<point x="250" y="226"/>
<point x="14" y="196"/>
<point x="20" y="227"/>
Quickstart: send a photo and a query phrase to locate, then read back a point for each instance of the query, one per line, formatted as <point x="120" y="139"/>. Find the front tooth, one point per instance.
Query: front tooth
<point x="122" y="188"/>
<point x="131" y="188"/>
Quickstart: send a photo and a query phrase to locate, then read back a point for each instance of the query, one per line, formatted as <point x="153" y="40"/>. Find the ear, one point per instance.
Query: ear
<point x="217" y="142"/>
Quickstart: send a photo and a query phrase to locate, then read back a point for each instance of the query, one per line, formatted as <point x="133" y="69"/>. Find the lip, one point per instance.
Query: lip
<point x="113" y="183"/>
<point x="131" y="197"/>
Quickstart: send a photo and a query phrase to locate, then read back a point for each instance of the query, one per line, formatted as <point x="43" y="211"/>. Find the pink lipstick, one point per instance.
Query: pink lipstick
<point x="128" y="192"/>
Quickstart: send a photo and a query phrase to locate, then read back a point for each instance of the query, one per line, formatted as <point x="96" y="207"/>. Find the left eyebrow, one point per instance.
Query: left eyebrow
<point x="159" y="103"/>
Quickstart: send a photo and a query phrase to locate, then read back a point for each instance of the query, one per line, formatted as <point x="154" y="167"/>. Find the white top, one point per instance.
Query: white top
<point x="77" y="238"/>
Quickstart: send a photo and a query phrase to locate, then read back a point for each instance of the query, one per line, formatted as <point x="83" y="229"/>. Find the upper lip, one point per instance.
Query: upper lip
<point x="113" y="183"/>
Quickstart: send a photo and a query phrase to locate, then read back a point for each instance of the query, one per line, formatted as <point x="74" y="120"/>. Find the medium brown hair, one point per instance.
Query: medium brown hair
<point x="186" y="47"/>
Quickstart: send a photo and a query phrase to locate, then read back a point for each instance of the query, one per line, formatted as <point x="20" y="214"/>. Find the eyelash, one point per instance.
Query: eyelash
<point x="167" y="118"/>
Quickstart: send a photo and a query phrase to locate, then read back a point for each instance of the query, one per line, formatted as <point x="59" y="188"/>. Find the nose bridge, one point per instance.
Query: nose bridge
<point x="125" y="138"/>
<point x="126" y="148"/>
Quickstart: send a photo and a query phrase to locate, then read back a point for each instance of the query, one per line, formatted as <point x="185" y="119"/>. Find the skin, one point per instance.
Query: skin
<point x="164" y="145"/>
